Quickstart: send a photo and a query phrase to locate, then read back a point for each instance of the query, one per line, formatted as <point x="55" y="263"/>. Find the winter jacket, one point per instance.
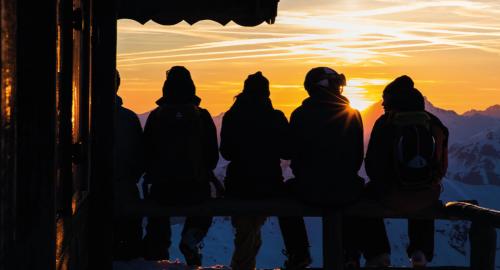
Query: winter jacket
<point x="327" y="149"/>
<point x="128" y="153"/>
<point x="254" y="138"/>
<point x="153" y="153"/>
<point x="379" y="164"/>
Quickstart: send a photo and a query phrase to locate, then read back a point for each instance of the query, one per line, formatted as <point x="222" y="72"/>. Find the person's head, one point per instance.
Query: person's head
<point x="178" y="84"/>
<point x="256" y="86"/>
<point x="255" y="94"/>
<point x="401" y="95"/>
<point x="324" y="80"/>
<point x="117" y="81"/>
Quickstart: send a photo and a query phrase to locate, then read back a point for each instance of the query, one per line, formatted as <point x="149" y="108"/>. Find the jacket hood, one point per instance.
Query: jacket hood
<point x="179" y="87"/>
<point x="401" y="95"/>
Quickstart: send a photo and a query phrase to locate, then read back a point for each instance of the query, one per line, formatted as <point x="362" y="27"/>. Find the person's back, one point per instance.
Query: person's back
<point x="407" y="158"/>
<point x="181" y="152"/>
<point x="180" y="155"/>
<point x="128" y="145"/>
<point x="406" y="133"/>
<point x="128" y="167"/>
<point x="327" y="141"/>
<point x="253" y="139"/>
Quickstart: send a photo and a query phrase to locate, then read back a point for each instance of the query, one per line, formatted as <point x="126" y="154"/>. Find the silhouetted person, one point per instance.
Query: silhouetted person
<point x="181" y="153"/>
<point x="128" y="169"/>
<point x="405" y="161"/>
<point x="327" y="147"/>
<point x="254" y="138"/>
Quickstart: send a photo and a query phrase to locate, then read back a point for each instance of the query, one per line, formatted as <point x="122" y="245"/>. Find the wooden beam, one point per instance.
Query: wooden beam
<point x="103" y="66"/>
<point x="8" y="136"/>
<point x="270" y="207"/>
<point x="474" y="212"/>
<point x="36" y="144"/>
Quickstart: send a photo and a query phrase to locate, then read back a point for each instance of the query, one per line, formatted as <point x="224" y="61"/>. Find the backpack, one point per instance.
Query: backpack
<point x="177" y="138"/>
<point x="414" y="150"/>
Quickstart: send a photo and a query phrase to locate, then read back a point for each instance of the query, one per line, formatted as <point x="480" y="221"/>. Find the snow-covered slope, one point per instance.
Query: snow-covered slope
<point x="476" y="161"/>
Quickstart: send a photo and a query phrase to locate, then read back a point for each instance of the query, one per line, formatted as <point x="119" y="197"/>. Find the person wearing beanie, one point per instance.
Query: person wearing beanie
<point x="405" y="161"/>
<point x="128" y="167"/>
<point x="254" y="139"/>
<point x="327" y="148"/>
<point x="181" y="152"/>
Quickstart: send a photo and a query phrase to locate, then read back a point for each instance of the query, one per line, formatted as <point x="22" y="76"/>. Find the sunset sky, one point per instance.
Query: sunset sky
<point x="450" y="48"/>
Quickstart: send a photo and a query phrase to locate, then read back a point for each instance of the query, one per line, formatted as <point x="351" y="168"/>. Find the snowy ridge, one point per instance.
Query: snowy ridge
<point x="477" y="161"/>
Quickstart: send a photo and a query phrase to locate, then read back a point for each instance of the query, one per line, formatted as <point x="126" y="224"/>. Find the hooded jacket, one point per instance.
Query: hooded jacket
<point x="128" y="153"/>
<point x="379" y="162"/>
<point x="209" y="151"/>
<point x="327" y="149"/>
<point x="254" y="138"/>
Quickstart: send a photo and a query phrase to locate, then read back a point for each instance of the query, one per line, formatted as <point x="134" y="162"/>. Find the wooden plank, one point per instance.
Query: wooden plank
<point x="270" y="207"/>
<point x="474" y="212"/>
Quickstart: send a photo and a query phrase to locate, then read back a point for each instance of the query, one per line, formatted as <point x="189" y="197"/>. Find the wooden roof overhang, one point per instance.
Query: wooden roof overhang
<point x="169" y="12"/>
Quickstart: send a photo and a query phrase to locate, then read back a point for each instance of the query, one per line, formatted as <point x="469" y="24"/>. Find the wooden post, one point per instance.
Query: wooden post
<point x="36" y="135"/>
<point x="332" y="240"/>
<point x="103" y="65"/>
<point x="483" y="245"/>
<point x="8" y="136"/>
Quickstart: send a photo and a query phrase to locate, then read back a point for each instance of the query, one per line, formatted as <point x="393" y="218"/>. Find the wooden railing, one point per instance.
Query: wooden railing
<point x="482" y="233"/>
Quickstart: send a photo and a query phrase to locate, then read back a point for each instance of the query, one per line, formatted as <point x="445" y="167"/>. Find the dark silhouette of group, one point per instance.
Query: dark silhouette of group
<point x="405" y="162"/>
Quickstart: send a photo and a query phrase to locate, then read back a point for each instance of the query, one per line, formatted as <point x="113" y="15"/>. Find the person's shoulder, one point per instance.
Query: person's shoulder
<point x="435" y="120"/>
<point x="128" y="113"/>
<point x="205" y="114"/>
<point x="353" y="111"/>
<point x="154" y="112"/>
<point x="203" y="111"/>
<point x="279" y="114"/>
<point x="279" y="117"/>
<point x="297" y="112"/>
<point x="382" y="119"/>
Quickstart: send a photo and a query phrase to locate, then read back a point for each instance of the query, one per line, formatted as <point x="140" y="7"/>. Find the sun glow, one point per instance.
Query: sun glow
<point x="357" y="91"/>
<point x="359" y="103"/>
<point x="371" y="42"/>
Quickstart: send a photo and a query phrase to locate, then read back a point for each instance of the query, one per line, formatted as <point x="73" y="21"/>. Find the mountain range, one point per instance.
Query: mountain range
<point x="473" y="173"/>
<point x="474" y="146"/>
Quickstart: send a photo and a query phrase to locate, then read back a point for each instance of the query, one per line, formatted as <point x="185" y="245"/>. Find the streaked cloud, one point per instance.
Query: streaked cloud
<point x="365" y="36"/>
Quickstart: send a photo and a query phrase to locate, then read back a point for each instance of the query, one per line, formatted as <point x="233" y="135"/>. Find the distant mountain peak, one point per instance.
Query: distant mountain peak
<point x="492" y="111"/>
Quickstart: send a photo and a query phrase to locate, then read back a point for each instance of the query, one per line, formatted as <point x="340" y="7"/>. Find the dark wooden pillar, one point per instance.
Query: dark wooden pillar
<point x="332" y="241"/>
<point x="483" y="240"/>
<point x="103" y="64"/>
<point x="7" y="133"/>
<point x="36" y="135"/>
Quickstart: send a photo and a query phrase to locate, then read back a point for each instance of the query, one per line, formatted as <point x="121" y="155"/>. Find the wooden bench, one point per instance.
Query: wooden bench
<point x="482" y="233"/>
